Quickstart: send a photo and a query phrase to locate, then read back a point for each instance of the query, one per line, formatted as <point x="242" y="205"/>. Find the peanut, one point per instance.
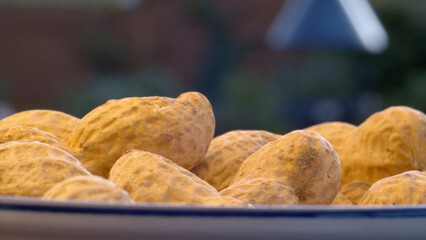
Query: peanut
<point x="149" y="177"/>
<point x="404" y="188"/>
<point x="17" y="133"/>
<point x="223" y="201"/>
<point x="304" y="160"/>
<point x="227" y="152"/>
<point x="88" y="188"/>
<point x="31" y="168"/>
<point x="261" y="191"/>
<point x="335" y="132"/>
<point x="355" y="190"/>
<point x="387" y="143"/>
<point x="341" y="199"/>
<point x="179" y="129"/>
<point x="57" y="123"/>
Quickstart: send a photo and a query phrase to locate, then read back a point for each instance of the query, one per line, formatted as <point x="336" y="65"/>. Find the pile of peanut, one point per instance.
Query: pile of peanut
<point x="162" y="150"/>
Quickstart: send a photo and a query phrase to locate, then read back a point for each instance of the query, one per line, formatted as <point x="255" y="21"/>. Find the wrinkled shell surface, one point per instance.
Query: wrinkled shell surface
<point x="149" y="177"/>
<point x="405" y="188"/>
<point x="89" y="188"/>
<point x="179" y="129"/>
<point x="387" y="143"/>
<point x="304" y="160"/>
<point x="21" y="133"/>
<point x="335" y="132"/>
<point x="227" y="152"/>
<point x="31" y="168"/>
<point x="57" y="123"/>
<point x="355" y="190"/>
<point x="261" y="191"/>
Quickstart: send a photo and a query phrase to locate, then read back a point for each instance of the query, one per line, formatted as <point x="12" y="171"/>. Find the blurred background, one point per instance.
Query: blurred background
<point x="74" y="55"/>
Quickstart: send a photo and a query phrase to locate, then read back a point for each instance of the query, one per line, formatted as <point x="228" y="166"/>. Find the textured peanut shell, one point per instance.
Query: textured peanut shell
<point x="227" y="152"/>
<point x="335" y="132"/>
<point x="57" y="123"/>
<point x="31" y="168"/>
<point x="341" y="199"/>
<point x="387" y="143"/>
<point x="21" y="133"/>
<point x="404" y="188"/>
<point x="261" y="191"/>
<point x="355" y="190"/>
<point x="179" y="129"/>
<point x="149" y="177"/>
<point x="304" y="160"/>
<point x="88" y="188"/>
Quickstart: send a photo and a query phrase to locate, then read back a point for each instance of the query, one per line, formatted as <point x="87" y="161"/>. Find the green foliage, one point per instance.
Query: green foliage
<point x="247" y="103"/>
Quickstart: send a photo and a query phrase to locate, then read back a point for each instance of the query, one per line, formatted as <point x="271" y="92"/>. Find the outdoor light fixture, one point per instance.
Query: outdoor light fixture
<point x="327" y="24"/>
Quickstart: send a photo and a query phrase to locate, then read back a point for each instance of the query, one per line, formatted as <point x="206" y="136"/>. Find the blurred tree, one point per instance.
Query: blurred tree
<point x="396" y="72"/>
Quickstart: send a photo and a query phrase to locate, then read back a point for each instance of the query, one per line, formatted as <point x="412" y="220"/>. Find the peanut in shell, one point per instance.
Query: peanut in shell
<point x="179" y="129"/>
<point x="355" y="190"/>
<point x="304" y="160"/>
<point x="57" y="123"/>
<point x="227" y="152"/>
<point x="21" y="133"/>
<point x="149" y="177"/>
<point x="261" y="191"/>
<point x="224" y="201"/>
<point x="406" y="188"/>
<point x="387" y="143"/>
<point x="88" y="188"/>
<point x="29" y="168"/>
<point x="341" y="199"/>
<point x="335" y="132"/>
